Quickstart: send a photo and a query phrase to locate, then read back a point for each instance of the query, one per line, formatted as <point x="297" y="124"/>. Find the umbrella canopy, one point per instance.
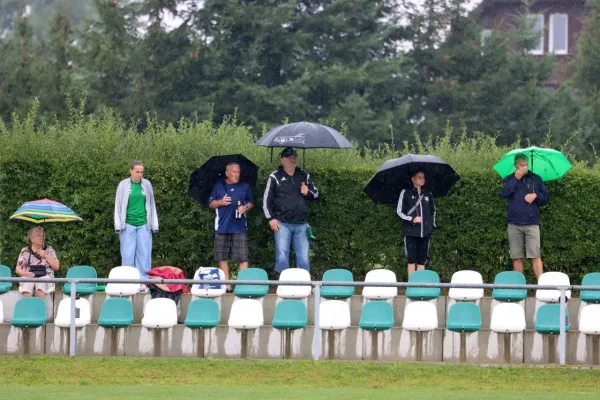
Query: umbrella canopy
<point x="394" y="175"/>
<point x="304" y="135"/>
<point x="204" y="178"/>
<point x="549" y="164"/>
<point x="45" y="211"/>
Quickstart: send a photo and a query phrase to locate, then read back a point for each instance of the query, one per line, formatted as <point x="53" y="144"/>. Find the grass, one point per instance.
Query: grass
<point x="115" y="378"/>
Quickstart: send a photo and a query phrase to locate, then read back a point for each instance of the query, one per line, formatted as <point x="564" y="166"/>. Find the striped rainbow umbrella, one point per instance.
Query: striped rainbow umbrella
<point x="45" y="211"/>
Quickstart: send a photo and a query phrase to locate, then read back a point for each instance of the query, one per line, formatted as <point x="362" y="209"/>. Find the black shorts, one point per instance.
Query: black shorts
<point x="416" y="249"/>
<point x="236" y="242"/>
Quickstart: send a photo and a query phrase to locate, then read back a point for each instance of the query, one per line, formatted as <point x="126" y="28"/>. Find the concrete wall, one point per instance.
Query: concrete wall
<point x="266" y="342"/>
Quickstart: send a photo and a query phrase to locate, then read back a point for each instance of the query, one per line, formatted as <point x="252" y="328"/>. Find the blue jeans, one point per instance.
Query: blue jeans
<point x="294" y="234"/>
<point x="136" y="248"/>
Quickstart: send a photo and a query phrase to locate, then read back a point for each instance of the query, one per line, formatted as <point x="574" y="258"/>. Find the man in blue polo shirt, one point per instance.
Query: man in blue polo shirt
<point x="231" y="199"/>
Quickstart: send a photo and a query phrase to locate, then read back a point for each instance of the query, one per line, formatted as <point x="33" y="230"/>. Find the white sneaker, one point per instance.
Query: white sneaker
<point x="143" y="288"/>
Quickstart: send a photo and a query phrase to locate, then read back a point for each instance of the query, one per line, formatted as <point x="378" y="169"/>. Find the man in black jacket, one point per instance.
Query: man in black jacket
<point x="525" y="192"/>
<point x="417" y="210"/>
<point x="285" y="204"/>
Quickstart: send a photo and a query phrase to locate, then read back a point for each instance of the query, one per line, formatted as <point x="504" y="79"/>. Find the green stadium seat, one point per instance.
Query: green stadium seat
<point x="464" y="317"/>
<point x="547" y="319"/>
<point x="290" y="314"/>
<point x="251" y="291"/>
<point x="424" y="276"/>
<point x="337" y="292"/>
<point x="81" y="271"/>
<point x="589" y="296"/>
<point x="5" y="273"/>
<point x="203" y="313"/>
<point x="509" y="278"/>
<point x="377" y="316"/>
<point x="116" y="312"/>
<point x="30" y="312"/>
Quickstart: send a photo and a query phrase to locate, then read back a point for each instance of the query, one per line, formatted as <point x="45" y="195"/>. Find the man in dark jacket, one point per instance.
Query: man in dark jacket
<point x="285" y="204"/>
<point x="525" y="192"/>
<point x="417" y="210"/>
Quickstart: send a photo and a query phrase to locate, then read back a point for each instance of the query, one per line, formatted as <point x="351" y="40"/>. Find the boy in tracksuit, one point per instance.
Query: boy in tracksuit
<point x="417" y="210"/>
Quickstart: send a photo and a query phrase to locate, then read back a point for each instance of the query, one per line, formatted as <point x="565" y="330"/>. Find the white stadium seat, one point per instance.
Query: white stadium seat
<point x="508" y="318"/>
<point x="246" y="314"/>
<point x="466" y="276"/>
<point x="63" y="314"/>
<point x="160" y="313"/>
<point x="589" y="320"/>
<point x="334" y="314"/>
<point x="380" y="293"/>
<point x="1" y="313"/>
<point x="294" y="292"/>
<point x="552" y="278"/>
<point x="420" y="316"/>
<point x="208" y="289"/>
<point x="123" y="289"/>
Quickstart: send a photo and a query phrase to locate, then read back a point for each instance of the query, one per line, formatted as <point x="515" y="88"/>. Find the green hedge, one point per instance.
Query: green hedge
<point x="82" y="163"/>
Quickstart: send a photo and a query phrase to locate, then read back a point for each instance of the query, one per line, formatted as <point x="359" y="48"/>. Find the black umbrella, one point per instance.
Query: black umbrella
<point x="394" y="175"/>
<point x="204" y="178"/>
<point x="304" y="135"/>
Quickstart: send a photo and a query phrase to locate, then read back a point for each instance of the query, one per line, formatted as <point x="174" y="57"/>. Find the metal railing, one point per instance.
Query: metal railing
<point x="316" y="345"/>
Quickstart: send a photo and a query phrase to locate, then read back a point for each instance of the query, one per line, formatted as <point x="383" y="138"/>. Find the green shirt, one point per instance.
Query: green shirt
<point x="136" y="205"/>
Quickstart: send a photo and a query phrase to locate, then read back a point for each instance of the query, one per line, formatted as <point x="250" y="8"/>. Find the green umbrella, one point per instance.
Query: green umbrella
<point x="549" y="164"/>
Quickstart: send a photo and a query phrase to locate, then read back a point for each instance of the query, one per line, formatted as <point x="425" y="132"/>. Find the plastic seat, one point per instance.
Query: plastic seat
<point x="509" y="278"/>
<point x="589" y="320"/>
<point x="589" y="296"/>
<point x="424" y="276"/>
<point x="337" y="292"/>
<point x="547" y="319"/>
<point x="464" y="317"/>
<point x="508" y="318"/>
<point x="122" y="289"/>
<point x="290" y="314"/>
<point x="552" y="278"/>
<point x="160" y="313"/>
<point x="380" y="293"/>
<point x="1" y="312"/>
<point x="376" y="316"/>
<point x="63" y="314"/>
<point x="246" y="314"/>
<point x="30" y="312"/>
<point x="420" y="316"/>
<point x="294" y="292"/>
<point x="203" y="313"/>
<point x="82" y="271"/>
<point x="466" y="276"/>
<point x="116" y="312"/>
<point x="208" y="289"/>
<point x="251" y="291"/>
<point x="5" y="273"/>
<point x="334" y="314"/>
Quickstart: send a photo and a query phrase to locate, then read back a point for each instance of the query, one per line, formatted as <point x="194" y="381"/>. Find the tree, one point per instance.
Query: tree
<point x="496" y="87"/>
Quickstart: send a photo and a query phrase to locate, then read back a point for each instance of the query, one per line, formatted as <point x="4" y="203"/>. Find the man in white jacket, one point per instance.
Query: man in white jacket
<point x="136" y="219"/>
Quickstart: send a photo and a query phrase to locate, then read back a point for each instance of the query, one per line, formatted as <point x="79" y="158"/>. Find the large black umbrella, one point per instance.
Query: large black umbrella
<point x="304" y="135"/>
<point x="204" y="178"/>
<point x="394" y="175"/>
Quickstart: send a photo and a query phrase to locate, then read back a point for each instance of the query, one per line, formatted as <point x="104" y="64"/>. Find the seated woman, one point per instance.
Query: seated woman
<point x="36" y="261"/>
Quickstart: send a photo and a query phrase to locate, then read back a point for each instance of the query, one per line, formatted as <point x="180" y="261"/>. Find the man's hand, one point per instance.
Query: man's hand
<point x="274" y="225"/>
<point x="417" y="220"/>
<point x="226" y="200"/>
<point x="304" y="189"/>
<point x="242" y="209"/>
<point x="530" y="198"/>
<point x="521" y="172"/>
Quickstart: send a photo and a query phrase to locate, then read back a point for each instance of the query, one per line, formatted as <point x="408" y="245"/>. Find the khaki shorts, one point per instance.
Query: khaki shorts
<point x="524" y="236"/>
<point x="31" y="287"/>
